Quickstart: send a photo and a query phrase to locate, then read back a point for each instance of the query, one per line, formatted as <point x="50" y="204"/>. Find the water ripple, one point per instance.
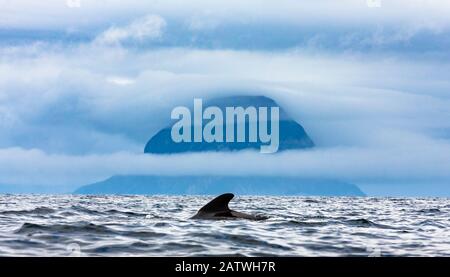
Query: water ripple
<point x="63" y="225"/>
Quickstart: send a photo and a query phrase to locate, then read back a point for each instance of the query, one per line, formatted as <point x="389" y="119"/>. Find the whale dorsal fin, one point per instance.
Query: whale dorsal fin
<point x="218" y="204"/>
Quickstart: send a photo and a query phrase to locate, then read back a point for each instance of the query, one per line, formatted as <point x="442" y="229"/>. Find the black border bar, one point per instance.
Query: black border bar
<point x="273" y="266"/>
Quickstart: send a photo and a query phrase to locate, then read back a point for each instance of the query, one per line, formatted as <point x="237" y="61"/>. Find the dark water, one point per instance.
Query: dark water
<point x="160" y="226"/>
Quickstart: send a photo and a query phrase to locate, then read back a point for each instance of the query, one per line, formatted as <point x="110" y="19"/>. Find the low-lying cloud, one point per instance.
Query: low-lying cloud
<point x="428" y="164"/>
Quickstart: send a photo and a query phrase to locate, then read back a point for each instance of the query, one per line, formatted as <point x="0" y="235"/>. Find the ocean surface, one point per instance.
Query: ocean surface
<point x="79" y="225"/>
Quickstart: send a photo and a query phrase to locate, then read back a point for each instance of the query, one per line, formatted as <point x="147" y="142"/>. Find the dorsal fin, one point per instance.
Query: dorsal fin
<point x="218" y="204"/>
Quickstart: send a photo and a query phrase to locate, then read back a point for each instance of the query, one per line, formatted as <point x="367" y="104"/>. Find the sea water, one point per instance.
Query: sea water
<point x="77" y="225"/>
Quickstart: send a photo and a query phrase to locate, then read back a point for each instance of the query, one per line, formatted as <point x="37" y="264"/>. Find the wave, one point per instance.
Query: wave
<point x="79" y="227"/>
<point x="35" y="211"/>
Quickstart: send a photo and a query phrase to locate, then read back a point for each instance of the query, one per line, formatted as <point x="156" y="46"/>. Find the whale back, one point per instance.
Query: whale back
<point x="218" y="204"/>
<point x="218" y="209"/>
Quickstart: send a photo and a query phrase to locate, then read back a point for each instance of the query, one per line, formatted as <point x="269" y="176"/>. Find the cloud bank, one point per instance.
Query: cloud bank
<point x="75" y="111"/>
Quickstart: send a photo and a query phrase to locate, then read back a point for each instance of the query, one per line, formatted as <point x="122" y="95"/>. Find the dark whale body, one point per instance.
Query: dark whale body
<point x="218" y="209"/>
